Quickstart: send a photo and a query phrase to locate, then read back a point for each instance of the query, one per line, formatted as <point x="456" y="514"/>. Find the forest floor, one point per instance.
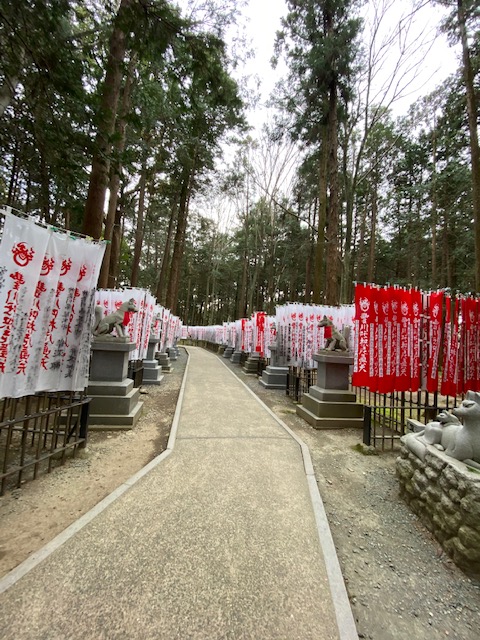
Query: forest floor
<point x="401" y="585"/>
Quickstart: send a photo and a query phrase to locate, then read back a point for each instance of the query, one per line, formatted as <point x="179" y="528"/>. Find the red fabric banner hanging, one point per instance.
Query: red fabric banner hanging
<point x="470" y="346"/>
<point x="477" y="354"/>
<point x="395" y="300"/>
<point x="415" y="355"/>
<point x="384" y="342"/>
<point x="402" y="382"/>
<point x="448" y="387"/>
<point x="435" y="339"/>
<point x="260" y="332"/>
<point x="365" y="334"/>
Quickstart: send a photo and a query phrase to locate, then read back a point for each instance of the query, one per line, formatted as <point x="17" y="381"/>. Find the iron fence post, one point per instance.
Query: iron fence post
<point x="367" y="418"/>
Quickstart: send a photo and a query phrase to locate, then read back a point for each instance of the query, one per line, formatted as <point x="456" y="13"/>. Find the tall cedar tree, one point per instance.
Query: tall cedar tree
<point x="318" y="40"/>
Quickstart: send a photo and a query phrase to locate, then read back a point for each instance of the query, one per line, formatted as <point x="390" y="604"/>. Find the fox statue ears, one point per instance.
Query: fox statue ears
<point x="474" y="396"/>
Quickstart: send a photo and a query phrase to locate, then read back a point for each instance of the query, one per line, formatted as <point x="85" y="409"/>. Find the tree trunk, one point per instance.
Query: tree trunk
<point x="318" y="280"/>
<point x="13" y="176"/>
<point x="139" y="230"/>
<point x="179" y="243"/>
<point x="472" y="125"/>
<point x="115" y="250"/>
<point x="115" y="173"/>
<point x="332" y="245"/>
<point x="93" y="219"/>
<point x="373" y="234"/>
<point x="162" y="278"/>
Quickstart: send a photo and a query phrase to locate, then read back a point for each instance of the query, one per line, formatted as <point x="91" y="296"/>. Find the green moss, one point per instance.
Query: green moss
<point x="364" y="450"/>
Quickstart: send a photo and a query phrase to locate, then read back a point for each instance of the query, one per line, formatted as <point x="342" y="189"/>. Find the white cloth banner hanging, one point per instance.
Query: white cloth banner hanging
<point x="80" y="340"/>
<point x="46" y="301"/>
<point x="22" y="251"/>
<point x="40" y="314"/>
<point x="54" y="367"/>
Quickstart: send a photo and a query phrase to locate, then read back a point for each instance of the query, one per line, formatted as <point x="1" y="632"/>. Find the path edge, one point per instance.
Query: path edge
<point x="13" y="576"/>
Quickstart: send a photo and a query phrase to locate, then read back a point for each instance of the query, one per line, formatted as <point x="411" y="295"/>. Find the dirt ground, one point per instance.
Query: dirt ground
<point x="401" y="585"/>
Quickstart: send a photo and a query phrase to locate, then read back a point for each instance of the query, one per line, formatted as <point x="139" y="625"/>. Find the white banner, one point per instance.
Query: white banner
<point x="47" y="283"/>
<point x="22" y="251"/>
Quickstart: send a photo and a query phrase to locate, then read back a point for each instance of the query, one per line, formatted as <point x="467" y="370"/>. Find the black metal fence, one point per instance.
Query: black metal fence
<point x="299" y="380"/>
<point x="38" y="432"/>
<point x="386" y="415"/>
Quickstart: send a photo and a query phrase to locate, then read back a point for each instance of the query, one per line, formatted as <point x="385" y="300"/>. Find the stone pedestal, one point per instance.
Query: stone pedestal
<point x="236" y="357"/>
<point x="329" y="404"/>
<point x="152" y="371"/>
<point x="274" y="377"/>
<point x="172" y="353"/>
<point x="164" y="361"/>
<point x="251" y="363"/>
<point x="228" y="352"/>
<point x="115" y="402"/>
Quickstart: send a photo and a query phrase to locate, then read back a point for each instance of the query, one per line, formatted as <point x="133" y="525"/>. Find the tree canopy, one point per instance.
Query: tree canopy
<point x="116" y="117"/>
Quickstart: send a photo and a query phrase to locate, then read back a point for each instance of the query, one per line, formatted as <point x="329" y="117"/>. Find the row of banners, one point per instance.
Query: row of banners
<point x="150" y="321"/>
<point x="293" y="330"/>
<point x="407" y="340"/>
<point x="47" y="298"/>
<point x="401" y="339"/>
<point x="48" y="294"/>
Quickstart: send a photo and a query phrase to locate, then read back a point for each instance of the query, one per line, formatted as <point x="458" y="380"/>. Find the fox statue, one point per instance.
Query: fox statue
<point x="117" y="320"/>
<point x="334" y="339"/>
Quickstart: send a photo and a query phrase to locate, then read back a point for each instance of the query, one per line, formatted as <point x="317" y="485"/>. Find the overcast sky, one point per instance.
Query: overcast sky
<point x="264" y="20"/>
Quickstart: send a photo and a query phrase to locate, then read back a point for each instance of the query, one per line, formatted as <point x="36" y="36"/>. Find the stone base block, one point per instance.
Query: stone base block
<point x="152" y="372"/>
<point x="173" y="353"/>
<point x="164" y="361"/>
<point x="274" y="377"/>
<point x="251" y="363"/>
<point x="228" y="352"/>
<point x="114" y="422"/>
<point x="328" y="422"/>
<point x="236" y="357"/>
<point x="114" y="404"/>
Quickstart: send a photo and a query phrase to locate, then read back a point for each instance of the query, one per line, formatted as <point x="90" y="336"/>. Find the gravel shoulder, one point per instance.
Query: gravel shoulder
<point x="401" y="584"/>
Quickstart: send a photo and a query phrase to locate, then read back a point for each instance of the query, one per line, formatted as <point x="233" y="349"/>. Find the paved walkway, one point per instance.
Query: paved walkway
<point x="223" y="536"/>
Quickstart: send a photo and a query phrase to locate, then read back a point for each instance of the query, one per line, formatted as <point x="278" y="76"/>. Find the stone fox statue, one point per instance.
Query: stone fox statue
<point x="117" y="320"/>
<point x="334" y="339"/>
<point x="459" y="440"/>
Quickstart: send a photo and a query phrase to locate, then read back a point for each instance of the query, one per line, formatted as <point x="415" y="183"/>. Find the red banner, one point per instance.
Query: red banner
<point x="384" y="342"/>
<point x="450" y="350"/>
<point x="260" y="332"/>
<point x="435" y="339"/>
<point x="470" y="321"/>
<point x="402" y="382"/>
<point x="365" y="337"/>
<point x="416" y="327"/>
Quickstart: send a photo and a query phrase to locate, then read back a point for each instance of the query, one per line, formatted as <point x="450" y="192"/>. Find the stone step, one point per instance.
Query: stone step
<point x="272" y="385"/>
<point x="106" y="388"/>
<point x="114" y="405"/>
<point x="328" y="423"/>
<point x="104" y="422"/>
<point x="332" y="395"/>
<point x="332" y="409"/>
